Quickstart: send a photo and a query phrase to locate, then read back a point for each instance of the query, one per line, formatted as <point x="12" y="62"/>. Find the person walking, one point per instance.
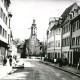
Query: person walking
<point x="60" y="62"/>
<point x="10" y="61"/>
<point x="4" y="61"/>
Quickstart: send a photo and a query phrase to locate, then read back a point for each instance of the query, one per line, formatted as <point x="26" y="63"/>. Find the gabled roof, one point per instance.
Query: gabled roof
<point x="67" y="10"/>
<point x="21" y="45"/>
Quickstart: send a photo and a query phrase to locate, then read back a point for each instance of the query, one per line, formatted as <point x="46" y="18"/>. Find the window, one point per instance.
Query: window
<point x="4" y="17"/>
<point x="8" y="38"/>
<point x="0" y="29"/>
<point x="3" y="32"/>
<point x="73" y="41"/>
<point x="63" y="42"/>
<point x="1" y="13"/>
<point x="58" y="43"/>
<point x="77" y="24"/>
<point x="68" y="27"/>
<point x="68" y="41"/>
<point x="79" y="40"/>
<point x="6" y="20"/>
<point x="63" y="30"/>
<point x="74" y="26"/>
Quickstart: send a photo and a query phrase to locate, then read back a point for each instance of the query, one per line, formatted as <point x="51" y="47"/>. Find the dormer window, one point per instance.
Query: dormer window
<point x="70" y="15"/>
<point x="76" y="10"/>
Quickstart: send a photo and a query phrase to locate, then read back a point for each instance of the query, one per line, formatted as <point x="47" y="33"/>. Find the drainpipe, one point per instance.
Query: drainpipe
<point x="54" y="43"/>
<point x="61" y="42"/>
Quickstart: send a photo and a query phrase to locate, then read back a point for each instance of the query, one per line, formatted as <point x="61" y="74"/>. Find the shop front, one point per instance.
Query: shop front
<point x="3" y="51"/>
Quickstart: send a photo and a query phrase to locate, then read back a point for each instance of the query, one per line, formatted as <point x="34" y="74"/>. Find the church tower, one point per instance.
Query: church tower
<point x="33" y="30"/>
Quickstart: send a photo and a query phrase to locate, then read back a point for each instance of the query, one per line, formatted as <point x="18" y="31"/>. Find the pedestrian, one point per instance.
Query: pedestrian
<point x="78" y="65"/>
<point x="60" y="62"/>
<point x="55" y="61"/>
<point x="4" y="61"/>
<point x="10" y="61"/>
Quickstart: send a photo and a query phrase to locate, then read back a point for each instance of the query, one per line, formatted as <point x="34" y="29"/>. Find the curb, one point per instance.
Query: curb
<point x="60" y="68"/>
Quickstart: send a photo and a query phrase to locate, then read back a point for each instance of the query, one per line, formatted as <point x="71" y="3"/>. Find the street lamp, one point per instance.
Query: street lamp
<point x="9" y="15"/>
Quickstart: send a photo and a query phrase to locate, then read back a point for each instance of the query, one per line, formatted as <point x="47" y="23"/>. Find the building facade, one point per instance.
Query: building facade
<point x="4" y="29"/>
<point x="54" y="33"/>
<point x="69" y="36"/>
<point x="75" y="34"/>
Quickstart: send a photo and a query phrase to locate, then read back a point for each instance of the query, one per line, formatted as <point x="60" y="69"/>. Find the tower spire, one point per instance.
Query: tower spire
<point x="34" y="21"/>
<point x="33" y="29"/>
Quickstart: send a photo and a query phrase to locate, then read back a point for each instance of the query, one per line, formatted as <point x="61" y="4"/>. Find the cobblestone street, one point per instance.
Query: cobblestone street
<point x="39" y="71"/>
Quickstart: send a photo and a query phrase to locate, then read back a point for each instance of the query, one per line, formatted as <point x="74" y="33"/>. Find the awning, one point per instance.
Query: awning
<point x="3" y="44"/>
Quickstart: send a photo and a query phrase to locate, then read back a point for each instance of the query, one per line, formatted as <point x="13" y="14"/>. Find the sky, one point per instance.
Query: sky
<point x="24" y="11"/>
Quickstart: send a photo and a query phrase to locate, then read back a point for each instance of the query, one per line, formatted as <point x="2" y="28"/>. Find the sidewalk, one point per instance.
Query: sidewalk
<point x="4" y="70"/>
<point x="68" y="69"/>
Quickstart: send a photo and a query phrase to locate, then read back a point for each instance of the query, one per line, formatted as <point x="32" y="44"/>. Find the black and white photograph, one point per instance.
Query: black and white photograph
<point x="39" y="39"/>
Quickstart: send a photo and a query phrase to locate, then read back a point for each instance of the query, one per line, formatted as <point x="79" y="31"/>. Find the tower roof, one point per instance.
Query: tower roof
<point x="34" y="21"/>
<point x="33" y="24"/>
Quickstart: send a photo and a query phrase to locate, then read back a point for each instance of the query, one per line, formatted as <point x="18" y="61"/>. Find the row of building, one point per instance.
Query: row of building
<point x="63" y="35"/>
<point x="8" y="46"/>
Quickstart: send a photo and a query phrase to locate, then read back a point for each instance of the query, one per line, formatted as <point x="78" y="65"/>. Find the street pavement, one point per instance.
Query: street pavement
<point x="4" y="70"/>
<point x="36" y="70"/>
<point x="68" y="69"/>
